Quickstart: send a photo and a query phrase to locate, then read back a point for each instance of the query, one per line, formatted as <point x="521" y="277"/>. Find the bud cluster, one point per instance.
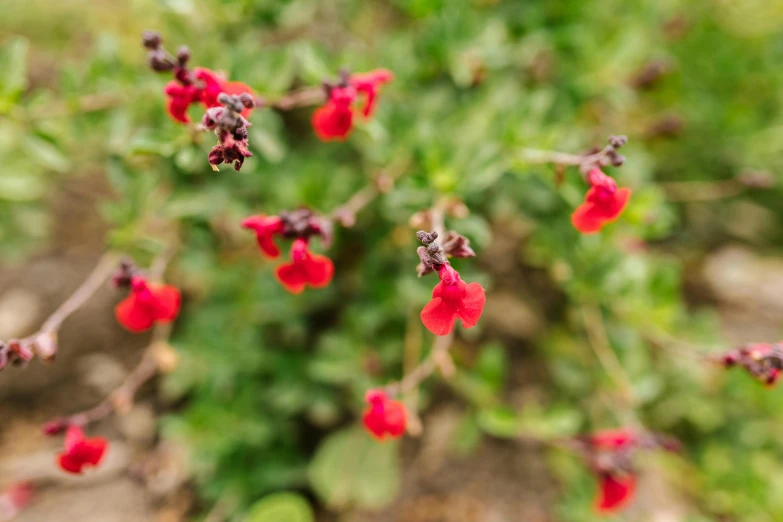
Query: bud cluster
<point x="762" y="361"/>
<point x="434" y="255"/>
<point x="231" y="129"/>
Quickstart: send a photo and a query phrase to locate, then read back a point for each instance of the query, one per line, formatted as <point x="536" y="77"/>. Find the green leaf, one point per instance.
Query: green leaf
<point x="13" y="63"/>
<point x="281" y="507"/>
<point x="352" y="469"/>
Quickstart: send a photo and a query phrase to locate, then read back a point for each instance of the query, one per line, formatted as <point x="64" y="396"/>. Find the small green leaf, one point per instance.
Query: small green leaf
<point x="281" y="507"/>
<point x="13" y="63"/>
<point x="352" y="469"/>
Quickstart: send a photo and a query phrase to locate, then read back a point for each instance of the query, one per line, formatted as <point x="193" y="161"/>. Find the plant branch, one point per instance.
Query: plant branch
<point x="382" y="183"/>
<point x="304" y="97"/>
<point x="440" y="349"/>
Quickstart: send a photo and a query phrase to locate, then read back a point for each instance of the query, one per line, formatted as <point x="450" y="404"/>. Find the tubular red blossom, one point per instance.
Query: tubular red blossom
<point x="613" y="439"/>
<point x="147" y="304"/>
<point x="453" y="299"/>
<point x="603" y="204"/>
<point x="305" y="269"/>
<point x="265" y="227"/>
<point x="205" y="90"/>
<point x="384" y="418"/>
<point x="81" y="452"/>
<point x="334" y="121"/>
<point x="369" y="84"/>
<point x="614" y="492"/>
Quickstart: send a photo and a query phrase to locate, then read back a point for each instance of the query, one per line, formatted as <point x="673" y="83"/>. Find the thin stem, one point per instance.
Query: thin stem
<point x="440" y="348"/>
<point x="300" y="98"/>
<point x="684" y="191"/>
<point x="367" y="194"/>
<point x="599" y="342"/>
<point x="94" y="281"/>
<point x="563" y="158"/>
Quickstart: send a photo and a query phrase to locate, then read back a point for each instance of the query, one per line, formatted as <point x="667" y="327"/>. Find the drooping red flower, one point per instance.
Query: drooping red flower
<point x="616" y="479"/>
<point x="265" y="227"/>
<point x="305" y="269"/>
<point x="603" y="204"/>
<point x="334" y="121"/>
<point x="614" y="492"/>
<point x="179" y="99"/>
<point x="384" y="418"/>
<point x="147" y="304"/>
<point x="369" y="84"/>
<point x="761" y="360"/>
<point x="453" y="299"/>
<point x="204" y="86"/>
<point x="81" y="451"/>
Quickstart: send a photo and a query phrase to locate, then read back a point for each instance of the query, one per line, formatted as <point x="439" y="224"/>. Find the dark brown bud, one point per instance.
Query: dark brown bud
<point x="183" y="55"/>
<point x="456" y="245"/>
<point x="151" y="39"/>
<point x="618" y="141"/>
<point x="159" y="62"/>
<point x="427" y="238"/>
<point x="247" y="100"/>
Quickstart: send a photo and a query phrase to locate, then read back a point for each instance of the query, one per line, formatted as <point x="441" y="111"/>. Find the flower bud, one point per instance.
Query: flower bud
<point x="183" y="55"/>
<point x="151" y="40"/>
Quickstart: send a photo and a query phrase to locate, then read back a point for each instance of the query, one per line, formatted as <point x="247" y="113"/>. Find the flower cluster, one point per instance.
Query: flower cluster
<point x="610" y="456"/>
<point x="761" y="360"/>
<point x="452" y="298"/>
<point x="334" y="120"/>
<point x="188" y="87"/>
<point x="147" y="304"/>
<point x="305" y="268"/>
<point x="384" y="418"/>
<point x="230" y="127"/>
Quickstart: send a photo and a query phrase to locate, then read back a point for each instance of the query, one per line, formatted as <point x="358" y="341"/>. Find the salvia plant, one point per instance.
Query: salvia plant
<point x="308" y="310"/>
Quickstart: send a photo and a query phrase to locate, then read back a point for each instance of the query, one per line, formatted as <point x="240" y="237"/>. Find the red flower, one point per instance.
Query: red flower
<point x="384" y="418"/>
<point x="265" y="228"/>
<point x="205" y="89"/>
<point x="81" y="451"/>
<point x="603" y="204"/>
<point x="614" y="491"/>
<point x="180" y="98"/>
<point x="305" y="268"/>
<point x="147" y="305"/>
<point x="334" y="121"/>
<point x="370" y="84"/>
<point x="452" y="298"/>
<point x="616" y="483"/>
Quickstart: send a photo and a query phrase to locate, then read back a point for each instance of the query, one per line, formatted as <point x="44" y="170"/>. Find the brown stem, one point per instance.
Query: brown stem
<point x="304" y="97"/>
<point x="584" y="162"/>
<point x="346" y="212"/>
<point x="96" y="279"/>
<point x="684" y="191"/>
<point x="440" y="349"/>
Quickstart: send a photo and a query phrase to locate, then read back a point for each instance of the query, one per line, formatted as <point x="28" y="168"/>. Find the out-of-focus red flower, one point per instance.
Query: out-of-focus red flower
<point x="614" y="492"/>
<point x="762" y="360"/>
<point x="603" y="204"/>
<point x="334" y="121"/>
<point x="610" y="450"/>
<point x="369" y="84"/>
<point x="14" y="499"/>
<point x="180" y="97"/>
<point x="81" y="451"/>
<point x="205" y="89"/>
<point x="147" y="304"/>
<point x="384" y="418"/>
<point x="305" y="269"/>
<point x="453" y="299"/>
<point x="265" y="227"/>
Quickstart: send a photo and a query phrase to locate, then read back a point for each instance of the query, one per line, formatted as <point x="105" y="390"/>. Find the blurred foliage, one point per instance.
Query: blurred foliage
<point x="273" y="382"/>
